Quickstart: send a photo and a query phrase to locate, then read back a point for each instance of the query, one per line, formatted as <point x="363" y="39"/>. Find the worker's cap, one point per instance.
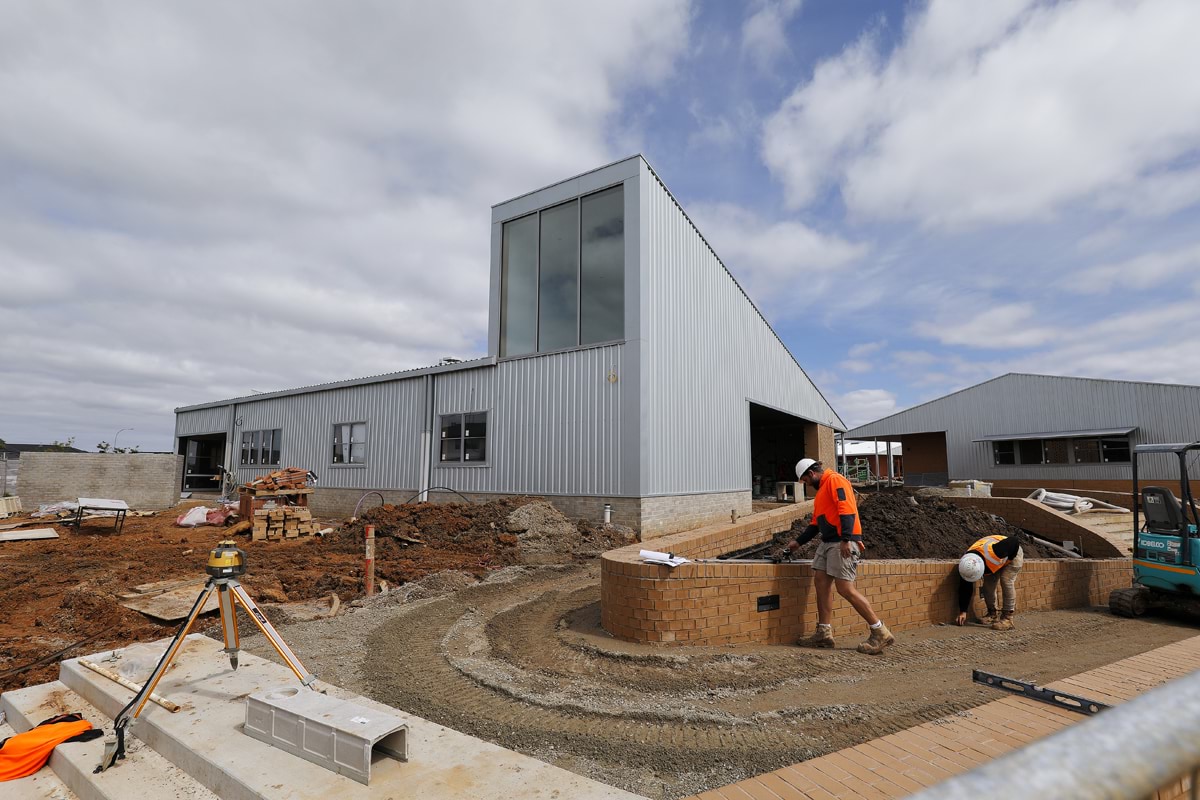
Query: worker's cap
<point x="804" y="465"/>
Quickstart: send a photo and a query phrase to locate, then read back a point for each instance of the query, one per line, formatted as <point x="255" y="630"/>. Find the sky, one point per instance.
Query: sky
<point x="205" y="201"/>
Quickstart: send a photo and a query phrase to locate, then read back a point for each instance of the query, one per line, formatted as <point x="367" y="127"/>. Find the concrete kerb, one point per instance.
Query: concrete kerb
<point x="206" y="741"/>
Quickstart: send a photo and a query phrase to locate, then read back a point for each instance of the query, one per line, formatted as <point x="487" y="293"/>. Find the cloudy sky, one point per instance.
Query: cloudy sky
<point x="206" y="200"/>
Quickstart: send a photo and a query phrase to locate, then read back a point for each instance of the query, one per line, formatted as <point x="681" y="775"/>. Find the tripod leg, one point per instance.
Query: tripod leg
<point x="116" y="750"/>
<point x="272" y="635"/>
<point x="228" y="622"/>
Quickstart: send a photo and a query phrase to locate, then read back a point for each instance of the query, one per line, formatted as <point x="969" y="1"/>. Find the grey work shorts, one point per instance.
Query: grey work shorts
<point x="828" y="559"/>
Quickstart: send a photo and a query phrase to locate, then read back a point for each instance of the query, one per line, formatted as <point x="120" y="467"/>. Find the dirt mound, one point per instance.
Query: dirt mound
<point x="907" y="525"/>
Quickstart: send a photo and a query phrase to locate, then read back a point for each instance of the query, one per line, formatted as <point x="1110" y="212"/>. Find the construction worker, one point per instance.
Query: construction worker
<point x="996" y="559"/>
<point x="835" y="564"/>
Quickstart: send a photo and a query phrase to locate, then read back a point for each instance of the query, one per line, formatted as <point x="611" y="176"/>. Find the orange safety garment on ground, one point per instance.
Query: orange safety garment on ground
<point x="25" y="753"/>
<point x="834" y="506"/>
<point x="985" y="547"/>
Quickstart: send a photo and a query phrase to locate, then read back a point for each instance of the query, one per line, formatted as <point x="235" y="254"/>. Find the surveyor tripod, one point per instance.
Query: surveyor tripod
<point x="226" y="562"/>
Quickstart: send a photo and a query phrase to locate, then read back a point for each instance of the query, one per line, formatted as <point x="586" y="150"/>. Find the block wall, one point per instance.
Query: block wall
<point x="661" y="516"/>
<point x="146" y="481"/>
<point x="706" y="603"/>
<point x="1044" y="521"/>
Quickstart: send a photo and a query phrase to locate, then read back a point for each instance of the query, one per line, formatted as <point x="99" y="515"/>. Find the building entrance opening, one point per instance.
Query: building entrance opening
<point x="776" y="444"/>
<point x="202" y="455"/>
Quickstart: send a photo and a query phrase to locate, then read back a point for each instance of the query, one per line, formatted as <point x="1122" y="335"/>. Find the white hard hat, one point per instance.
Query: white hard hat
<point x="804" y="465"/>
<point x="970" y="567"/>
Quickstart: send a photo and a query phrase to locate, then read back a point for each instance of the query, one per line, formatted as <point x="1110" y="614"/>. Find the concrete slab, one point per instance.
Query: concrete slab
<point x="173" y="605"/>
<point x="206" y="740"/>
<point x="143" y="774"/>
<point x="28" y="533"/>
<point x="41" y="785"/>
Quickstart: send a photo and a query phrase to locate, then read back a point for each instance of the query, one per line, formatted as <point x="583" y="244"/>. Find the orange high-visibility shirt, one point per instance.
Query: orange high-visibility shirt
<point x="835" y="500"/>
<point x="985" y="547"/>
<point x="25" y="753"/>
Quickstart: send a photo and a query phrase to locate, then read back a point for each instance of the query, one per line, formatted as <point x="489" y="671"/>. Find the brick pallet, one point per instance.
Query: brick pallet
<point x="288" y="522"/>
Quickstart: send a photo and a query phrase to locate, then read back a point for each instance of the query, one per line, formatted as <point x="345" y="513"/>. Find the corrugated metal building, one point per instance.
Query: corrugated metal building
<point x="625" y="366"/>
<point x="1023" y="432"/>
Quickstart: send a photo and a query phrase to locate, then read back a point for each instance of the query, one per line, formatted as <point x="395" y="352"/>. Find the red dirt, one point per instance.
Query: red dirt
<point x="56" y="592"/>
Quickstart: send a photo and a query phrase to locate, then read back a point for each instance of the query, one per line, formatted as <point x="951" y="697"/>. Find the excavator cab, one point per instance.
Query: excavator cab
<point x="1166" y="549"/>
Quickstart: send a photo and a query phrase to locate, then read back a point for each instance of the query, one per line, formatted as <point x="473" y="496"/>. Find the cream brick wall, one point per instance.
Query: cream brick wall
<point x="146" y="481"/>
<point x="660" y="516"/>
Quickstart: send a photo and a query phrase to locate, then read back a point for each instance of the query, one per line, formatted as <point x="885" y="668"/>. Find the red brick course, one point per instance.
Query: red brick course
<point x="714" y="603"/>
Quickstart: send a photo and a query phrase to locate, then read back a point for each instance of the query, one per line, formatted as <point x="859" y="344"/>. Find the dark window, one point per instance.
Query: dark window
<point x="350" y="443"/>
<point x="464" y="438"/>
<point x="558" y="278"/>
<point x="1115" y="451"/>
<point x="562" y="275"/>
<point x="261" y="447"/>
<point x="1004" y="453"/>
<point x="1030" y="451"/>
<point x="1057" y="451"/>
<point x="602" y="266"/>
<point x="519" y="286"/>
<point x="1087" y="451"/>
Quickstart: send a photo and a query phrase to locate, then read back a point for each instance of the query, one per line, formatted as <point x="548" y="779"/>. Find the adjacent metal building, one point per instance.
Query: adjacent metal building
<point x="625" y="366"/>
<point x="1022" y="431"/>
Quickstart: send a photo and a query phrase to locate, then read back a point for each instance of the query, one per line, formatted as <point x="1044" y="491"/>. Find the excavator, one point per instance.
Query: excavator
<point x="1166" y="549"/>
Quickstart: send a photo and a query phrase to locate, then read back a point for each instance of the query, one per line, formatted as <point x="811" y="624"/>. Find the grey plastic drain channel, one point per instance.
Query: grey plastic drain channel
<point x="336" y="734"/>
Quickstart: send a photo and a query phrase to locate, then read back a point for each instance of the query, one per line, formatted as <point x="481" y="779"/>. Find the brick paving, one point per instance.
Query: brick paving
<point x="906" y="762"/>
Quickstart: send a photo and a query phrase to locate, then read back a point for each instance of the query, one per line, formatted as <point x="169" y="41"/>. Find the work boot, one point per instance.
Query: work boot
<point x="1005" y="622"/>
<point x="989" y="618"/>
<point x="822" y="637"/>
<point x="880" y="638"/>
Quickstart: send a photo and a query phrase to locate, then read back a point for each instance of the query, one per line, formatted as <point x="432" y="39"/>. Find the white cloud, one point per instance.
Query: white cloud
<point x="856" y="366"/>
<point x="867" y="348"/>
<point x="864" y="405"/>
<point x="1142" y="272"/>
<point x="999" y="112"/>
<point x="973" y="324"/>
<point x="200" y="200"/>
<point x="778" y="262"/>
<point x="763" y="34"/>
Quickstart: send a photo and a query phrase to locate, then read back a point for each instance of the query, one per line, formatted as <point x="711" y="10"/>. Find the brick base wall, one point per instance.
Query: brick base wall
<point x="705" y="603"/>
<point x="146" y="481"/>
<point x="1044" y="521"/>
<point x="661" y="516"/>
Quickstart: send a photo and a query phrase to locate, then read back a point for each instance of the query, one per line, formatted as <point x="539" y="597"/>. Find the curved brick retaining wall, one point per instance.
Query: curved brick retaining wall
<point x="718" y="603"/>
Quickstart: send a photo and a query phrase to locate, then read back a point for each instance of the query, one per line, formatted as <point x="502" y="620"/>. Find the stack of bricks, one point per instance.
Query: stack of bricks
<point x="283" y="523"/>
<point x="288" y="478"/>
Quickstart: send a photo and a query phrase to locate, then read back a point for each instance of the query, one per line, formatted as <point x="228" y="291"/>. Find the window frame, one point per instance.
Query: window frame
<point x="349" y="454"/>
<point x="1072" y="449"/>
<point x="462" y="461"/>
<point x="262" y="446"/>
<point x="537" y="305"/>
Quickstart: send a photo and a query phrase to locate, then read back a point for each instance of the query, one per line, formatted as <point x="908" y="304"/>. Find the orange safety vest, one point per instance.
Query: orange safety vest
<point x="835" y="497"/>
<point x="25" y="753"/>
<point x="985" y="548"/>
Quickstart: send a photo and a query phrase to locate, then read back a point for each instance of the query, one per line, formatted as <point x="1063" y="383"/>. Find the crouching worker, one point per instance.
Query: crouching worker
<point x="996" y="559"/>
<point x="835" y="518"/>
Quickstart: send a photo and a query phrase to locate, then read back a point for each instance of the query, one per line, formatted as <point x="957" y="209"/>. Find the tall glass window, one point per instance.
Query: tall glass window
<point x="562" y="275"/>
<point x="519" y="286"/>
<point x="558" y="278"/>
<point x="602" y="266"/>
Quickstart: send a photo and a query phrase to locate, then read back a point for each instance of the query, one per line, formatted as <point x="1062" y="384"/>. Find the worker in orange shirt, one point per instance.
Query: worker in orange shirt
<point x="835" y="564"/>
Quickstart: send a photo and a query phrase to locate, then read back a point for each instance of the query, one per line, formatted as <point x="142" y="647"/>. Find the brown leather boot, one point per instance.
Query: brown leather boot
<point x="822" y="637"/>
<point x="880" y="638"/>
<point x="1005" y="623"/>
<point x="989" y="618"/>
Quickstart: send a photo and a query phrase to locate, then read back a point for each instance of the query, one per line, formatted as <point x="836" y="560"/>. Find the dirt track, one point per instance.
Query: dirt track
<point x="520" y="660"/>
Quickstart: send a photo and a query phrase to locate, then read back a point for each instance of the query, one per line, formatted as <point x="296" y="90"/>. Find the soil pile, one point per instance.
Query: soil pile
<point x="907" y="525"/>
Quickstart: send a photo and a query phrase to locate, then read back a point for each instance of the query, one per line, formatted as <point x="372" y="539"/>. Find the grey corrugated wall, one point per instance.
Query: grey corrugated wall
<point x="1019" y="403"/>
<point x="706" y="351"/>
<point x="203" y="420"/>
<point x="554" y="425"/>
